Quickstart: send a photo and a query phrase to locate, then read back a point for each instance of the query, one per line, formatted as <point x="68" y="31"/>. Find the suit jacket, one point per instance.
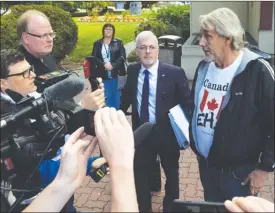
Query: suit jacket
<point x="172" y="89"/>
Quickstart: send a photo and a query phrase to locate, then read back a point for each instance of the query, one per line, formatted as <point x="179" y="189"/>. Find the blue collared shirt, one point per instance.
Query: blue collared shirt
<point x="153" y="76"/>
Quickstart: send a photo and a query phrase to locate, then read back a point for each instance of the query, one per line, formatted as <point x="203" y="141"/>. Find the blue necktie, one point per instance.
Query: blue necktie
<point x="144" y="109"/>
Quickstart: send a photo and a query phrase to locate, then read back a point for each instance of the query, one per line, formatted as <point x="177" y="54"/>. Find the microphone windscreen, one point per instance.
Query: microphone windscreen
<point x="65" y="89"/>
<point x="142" y="132"/>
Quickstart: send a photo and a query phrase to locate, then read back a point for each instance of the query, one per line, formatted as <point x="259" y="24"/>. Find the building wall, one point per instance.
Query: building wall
<point x="136" y="7"/>
<point x="254" y="15"/>
<point x="240" y="8"/>
<point x="266" y="38"/>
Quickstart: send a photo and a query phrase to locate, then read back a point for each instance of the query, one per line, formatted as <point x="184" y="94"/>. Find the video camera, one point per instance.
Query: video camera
<point x="34" y="122"/>
<point x="35" y="129"/>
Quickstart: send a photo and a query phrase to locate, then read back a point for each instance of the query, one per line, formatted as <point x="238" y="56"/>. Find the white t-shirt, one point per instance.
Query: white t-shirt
<point x="216" y="83"/>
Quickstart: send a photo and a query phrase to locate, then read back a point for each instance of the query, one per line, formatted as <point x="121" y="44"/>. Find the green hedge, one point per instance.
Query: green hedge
<point x="177" y="19"/>
<point x="61" y="21"/>
<point x="132" y="57"/>
<point x="157" y="27"/>
<point x="171" y="19"/>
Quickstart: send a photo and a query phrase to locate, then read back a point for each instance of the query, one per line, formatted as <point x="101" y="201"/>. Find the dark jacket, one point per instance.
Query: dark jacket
<point x="244" y="133"/>
<point x="40" y="68"/>
<point x="172" y="89"/>
<point x="118" y="57"/>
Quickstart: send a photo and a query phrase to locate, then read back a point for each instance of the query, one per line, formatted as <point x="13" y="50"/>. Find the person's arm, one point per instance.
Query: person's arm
<point x="183" y="91"/>
<point x="265" y="107"/>
<point x="71" y="173"/>
<point x="123" y="190"/>
<point x="52" y="199"/>
<point x="122" y="57"/>
<point x="116" y="141"/>
<point x="127" y="92"/>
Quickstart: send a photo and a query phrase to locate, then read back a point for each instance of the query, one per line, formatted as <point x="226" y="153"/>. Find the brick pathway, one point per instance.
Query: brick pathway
<point x="96" y="197"/>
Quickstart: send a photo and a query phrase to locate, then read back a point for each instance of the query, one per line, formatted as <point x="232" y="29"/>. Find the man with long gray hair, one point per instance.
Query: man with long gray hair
<point x="232" y="129"/>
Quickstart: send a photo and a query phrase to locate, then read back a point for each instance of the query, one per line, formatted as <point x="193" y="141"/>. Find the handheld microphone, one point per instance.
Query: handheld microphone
<point x="142" y="132"/>
<point x="64" y="89"/>
<point x="60" y="91"/>
<point x="140" y="135"/>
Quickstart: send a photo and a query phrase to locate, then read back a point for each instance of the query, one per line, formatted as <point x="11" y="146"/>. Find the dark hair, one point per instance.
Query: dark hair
<point x="108" y="25"/>
<point x="8" y="58"/>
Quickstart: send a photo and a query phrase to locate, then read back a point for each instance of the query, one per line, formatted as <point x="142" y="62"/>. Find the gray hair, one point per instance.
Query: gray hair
<point x="22" y="23"/>
<point x="146" y="35"/>
<point x="226" y="24"/>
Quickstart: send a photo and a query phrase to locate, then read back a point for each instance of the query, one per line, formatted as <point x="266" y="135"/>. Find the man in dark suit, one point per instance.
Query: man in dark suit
<point x="153" y="88"/>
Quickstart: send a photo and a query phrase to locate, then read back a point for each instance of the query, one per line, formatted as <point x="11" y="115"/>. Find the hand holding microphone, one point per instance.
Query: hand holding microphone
<point x="93" y="97"/>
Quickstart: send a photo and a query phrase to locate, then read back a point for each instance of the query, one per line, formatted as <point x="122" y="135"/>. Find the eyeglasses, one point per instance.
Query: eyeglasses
<point x="26" y="73"/>
<point x="45" y="36"/>
<point x="144" y="48"/>
<point x="107" y="29"/>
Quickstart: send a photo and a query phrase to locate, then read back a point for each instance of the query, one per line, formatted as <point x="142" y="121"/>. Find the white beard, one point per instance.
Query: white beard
<point x="209" y="58"/>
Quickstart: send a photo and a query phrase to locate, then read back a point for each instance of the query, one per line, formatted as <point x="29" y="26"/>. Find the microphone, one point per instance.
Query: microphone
<point x="64" y="89"/>
<point x="60" y="91"/>
<point x="139" y="136"/>
<point x="141" y="133"/>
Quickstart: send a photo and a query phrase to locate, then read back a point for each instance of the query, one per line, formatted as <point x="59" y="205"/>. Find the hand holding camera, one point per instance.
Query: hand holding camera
<point x="93" y="96"/>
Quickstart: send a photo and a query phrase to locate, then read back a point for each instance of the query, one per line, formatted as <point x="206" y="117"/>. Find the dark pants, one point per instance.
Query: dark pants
<point x="223" y="185"/>
<point x="144" y="164"/>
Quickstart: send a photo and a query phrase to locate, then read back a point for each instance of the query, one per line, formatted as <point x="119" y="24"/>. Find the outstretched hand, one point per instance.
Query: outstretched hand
<point x="74" y="158"/>
<point x="249" y="204"/>
<point x="115" y="137"/>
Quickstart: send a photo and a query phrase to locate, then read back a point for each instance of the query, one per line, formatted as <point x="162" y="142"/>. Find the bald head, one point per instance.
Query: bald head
<point x="37" y="23"/>
<point x="25" y="19"/>
<point x="33" y="30"/>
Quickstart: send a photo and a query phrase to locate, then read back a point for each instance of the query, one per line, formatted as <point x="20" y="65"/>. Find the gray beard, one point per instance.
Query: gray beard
<point x="209" y="58"/>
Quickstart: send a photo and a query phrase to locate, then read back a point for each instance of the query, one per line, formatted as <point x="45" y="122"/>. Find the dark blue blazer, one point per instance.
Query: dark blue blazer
<point x="172" y="89"/>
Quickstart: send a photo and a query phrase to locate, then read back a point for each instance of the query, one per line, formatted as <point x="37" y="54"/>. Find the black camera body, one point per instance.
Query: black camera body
<point x="34" y="130"/>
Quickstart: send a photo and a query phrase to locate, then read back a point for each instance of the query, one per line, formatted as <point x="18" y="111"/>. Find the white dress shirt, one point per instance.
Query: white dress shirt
<point x="153" y="76"/>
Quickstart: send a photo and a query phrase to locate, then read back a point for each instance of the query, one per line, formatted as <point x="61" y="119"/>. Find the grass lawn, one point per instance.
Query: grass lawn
<point x="88" y="32"/>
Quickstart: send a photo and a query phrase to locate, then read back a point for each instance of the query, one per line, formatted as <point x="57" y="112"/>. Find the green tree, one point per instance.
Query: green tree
<point x="68" y="6"/>
<point x="95" y="7"/>
<point x="177" y="19"/>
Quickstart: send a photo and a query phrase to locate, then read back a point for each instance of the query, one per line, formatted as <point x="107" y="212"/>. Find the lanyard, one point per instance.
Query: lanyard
<point x="107" y="52"/>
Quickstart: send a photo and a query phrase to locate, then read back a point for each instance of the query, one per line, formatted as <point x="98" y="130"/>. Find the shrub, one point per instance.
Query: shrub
<point x="132" y="57"/>
<point x="125" y="13"/>
<point x="177" y="18"/>
<point x="171" y="19"/>
<point x="157" y="27"/>
<point x="61" y="21"/>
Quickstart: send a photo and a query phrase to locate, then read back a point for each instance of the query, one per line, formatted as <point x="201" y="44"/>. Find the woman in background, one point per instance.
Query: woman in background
<point x="108" y="62"/>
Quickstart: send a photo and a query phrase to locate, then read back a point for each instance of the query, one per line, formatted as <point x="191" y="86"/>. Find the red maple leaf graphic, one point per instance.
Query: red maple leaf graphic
<point x="212" y="105"/>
